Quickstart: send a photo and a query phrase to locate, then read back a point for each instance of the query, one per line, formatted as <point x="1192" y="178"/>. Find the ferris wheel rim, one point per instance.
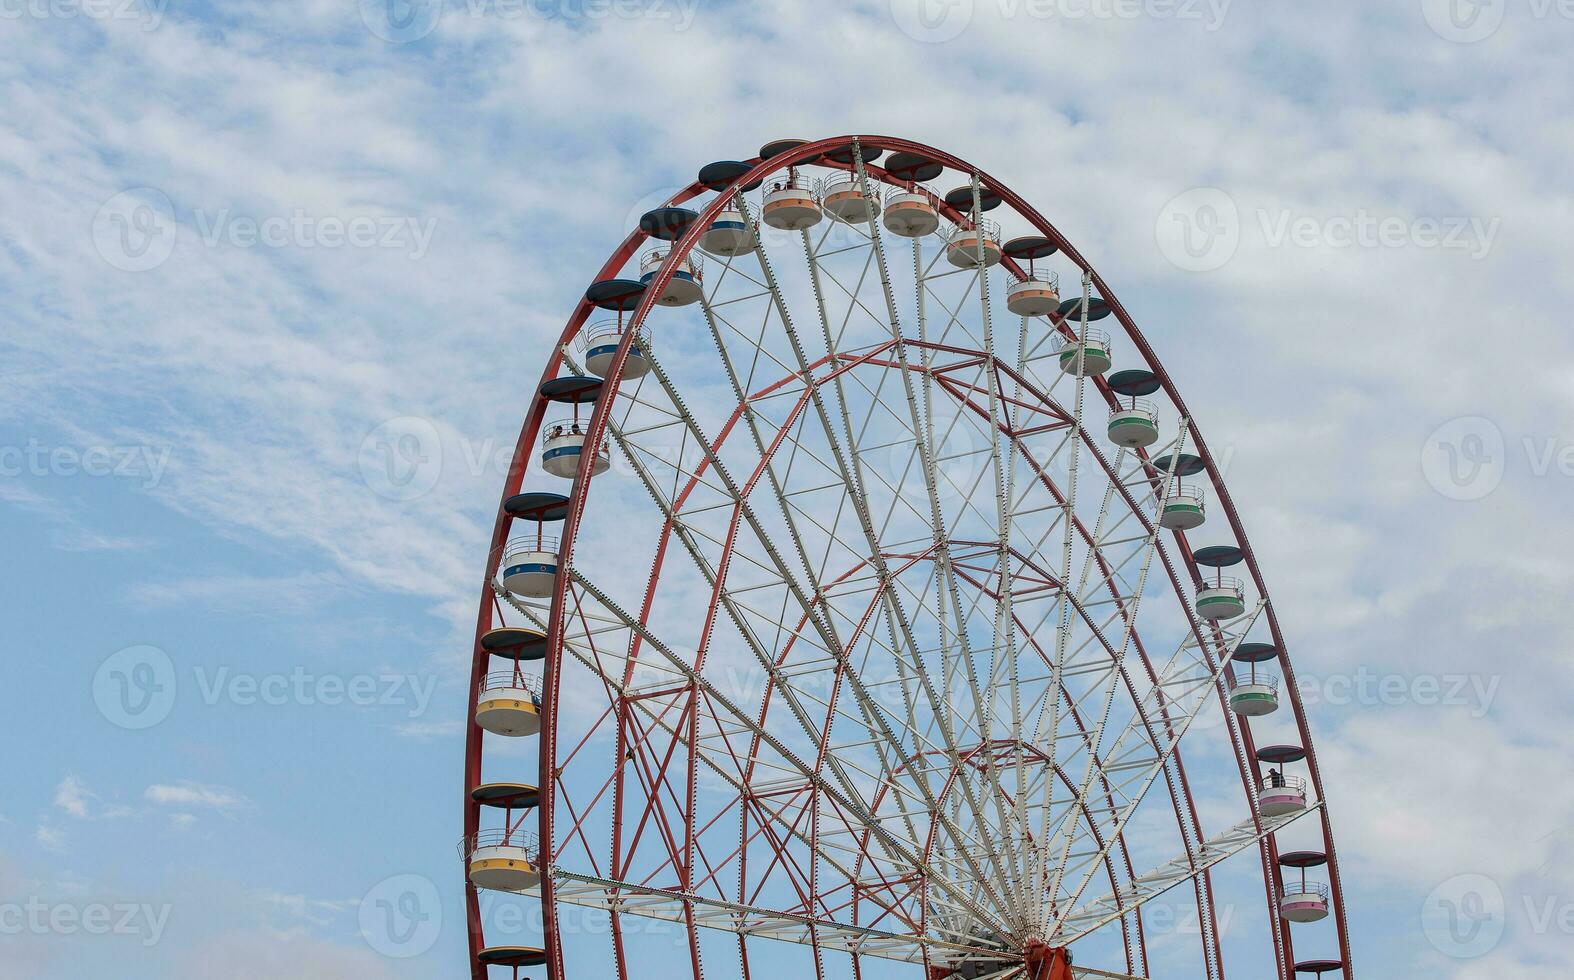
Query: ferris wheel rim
<point x="814" y="152"/>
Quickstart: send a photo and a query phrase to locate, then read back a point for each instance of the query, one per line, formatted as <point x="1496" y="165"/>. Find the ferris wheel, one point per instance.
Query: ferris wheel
<point x="858" y="578"/>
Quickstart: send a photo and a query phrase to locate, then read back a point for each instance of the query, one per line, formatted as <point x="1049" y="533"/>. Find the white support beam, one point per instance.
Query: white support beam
<point x="1102" y="911"/>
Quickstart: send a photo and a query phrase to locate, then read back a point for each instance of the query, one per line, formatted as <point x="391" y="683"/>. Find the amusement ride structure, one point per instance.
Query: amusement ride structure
<point x="858" y="577"/>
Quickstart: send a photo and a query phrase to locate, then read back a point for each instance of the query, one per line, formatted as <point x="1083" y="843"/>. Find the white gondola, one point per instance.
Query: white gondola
<point x="1256" y="695"/>
<point x="687" y="282"/>
<point x="1184" y="509"/>
<point x="910" y="213"/>
<point x="792" y="204"/>
<point x="1304" y="902"/>
<point x="962" y="244"/>
<point x="1222" y="598"/>
<point x="1036" y="295"/>
<point x="530" y="565"/>
<point x="846" y="201"/>
<point x="1283" y="798"/>
<point x="727" y="235"/>
<point x="599" y="342"/>
<point x="562" y="445"/>
<point x="503" y="860"/>
<point x="509" y="705"/>
<point x="1134" y="425"/>
<point x="1095" y="352"/>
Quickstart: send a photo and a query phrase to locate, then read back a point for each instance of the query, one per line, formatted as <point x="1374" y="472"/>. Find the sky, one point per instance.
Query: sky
<point x="254" y="255"/>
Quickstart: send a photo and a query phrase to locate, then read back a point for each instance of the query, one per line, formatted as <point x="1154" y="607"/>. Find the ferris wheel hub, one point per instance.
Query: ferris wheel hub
<point x="1046" y="962"/>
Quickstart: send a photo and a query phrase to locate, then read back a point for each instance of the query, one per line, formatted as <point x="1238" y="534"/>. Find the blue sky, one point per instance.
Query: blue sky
<point x="247" y="249"/>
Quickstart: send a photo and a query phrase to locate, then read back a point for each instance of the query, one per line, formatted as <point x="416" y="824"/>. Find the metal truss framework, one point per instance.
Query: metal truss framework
<point x="914" y="717"/>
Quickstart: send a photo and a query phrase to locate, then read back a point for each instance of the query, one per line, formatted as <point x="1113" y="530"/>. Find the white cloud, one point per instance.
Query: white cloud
<point x="193" y="796"/>
<point x="1398" y="781"/>
<point x="72" y="797"/>
<point x="270" y="954"/>
<point x="316" y="911"/>
<point x="68" y="532"/>
<point x="235" y="593"/>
